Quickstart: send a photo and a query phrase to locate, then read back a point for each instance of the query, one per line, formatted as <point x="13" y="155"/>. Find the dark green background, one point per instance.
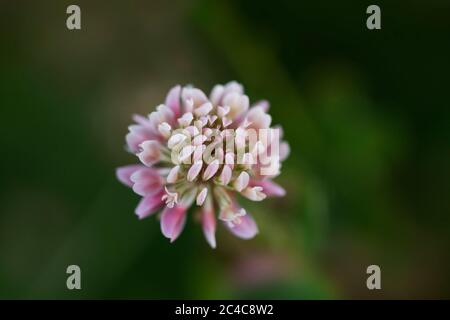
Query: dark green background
<point x="366" y="114"/>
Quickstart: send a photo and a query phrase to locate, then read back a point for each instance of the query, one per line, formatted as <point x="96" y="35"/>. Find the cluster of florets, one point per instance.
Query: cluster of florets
<point x="195" y="149"/>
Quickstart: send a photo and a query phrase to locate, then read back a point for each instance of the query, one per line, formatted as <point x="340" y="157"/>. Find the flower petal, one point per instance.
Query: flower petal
<point x="185" y="154"/>
<point x="124" y="173"/>
<point x="186" y="119"/>
<point x="234" y="86"/>
<point x="149" y="204"/>
<point x="201" y="197"/>
<point x="254" y="193"/>
<point x="172" y="177"/>
<point x="196" y="95"/>
<point x="146" y="181"/>
<point x="270" y="188"/>
<point x="211" y="170"/>
<point x="247" y="229"/>
<point x="162" y="114"/>
<point x="284" y="150"/>
<point x="151" y="152"/>
<point x="238" y="104"/>
<point x="209" y="226"/>
<point x="172" y="222"/>
<point x="225" y="176"/>
<point x="242" y="181"/>
<point x="175" y="140"/>
<point x="223" y="111"/>
<point x="194" y="170"/>
<point x="137" y="135"/>
<point x="164" y="129"/>
<point x="203" y="110"/>
<point x="216" y="94"/>
<point x="141" y="120"/>
<point x="258" y="118"/>
<point x="263" y="104"/>
<point x="173" y="100"/>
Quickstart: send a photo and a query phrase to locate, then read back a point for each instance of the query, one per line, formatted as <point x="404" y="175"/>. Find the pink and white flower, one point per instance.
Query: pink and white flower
<point x="204" y="152"/>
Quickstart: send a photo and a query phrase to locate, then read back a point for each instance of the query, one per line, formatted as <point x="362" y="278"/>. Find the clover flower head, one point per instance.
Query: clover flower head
<point x="202" y="151"/>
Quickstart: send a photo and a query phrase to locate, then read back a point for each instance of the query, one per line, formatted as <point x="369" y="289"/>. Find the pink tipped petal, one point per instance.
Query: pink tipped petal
<point x="194" y="170"/>
<point x="258" y="118"/>
<point x="223" y="111"/>
<point x="202" y="122"/>
<point x="146" y="181"/>
<point x="233" y="86"/>
<point x="212" y="119"/>
<point x="207" y="132"/>
<point x="151" y="152"/>
<point x="195" y="95"/>
<point x="201" y="197"/>
<point x="198" y="153"/>
<point x="254" y="193"/>
<point x="242" y="181"/>
<point x="270" y="188"/>
<point x="192" y="131"/>
<point x="198" y="140"/>
<point x="186" y="119"/>
<point x="246" y="123"/>
<point x="280" y="131"/>
<point x="164" y="129"/>
<point x="209" y="227"/>
<point x="229" y="159"/>
<point x="216" y="94"/>
<point x="172" y="222"/>
<point x="203" y="110"/>
<point x="173" y="100"/>
<point x="173" y="174"/>
<point x="263" y="104"/>
<point x="225" y="176"/>
<point x="137" y="135"/>
<point x="211" y="170"/>
<point x="175" y="140"/>
<point x="162" y="114"/>
<point x="246" y="229"/>
<point x="124" y="173"/>
<point x="237" y="102"/>
<point x="226" y="122"/>
<point x="141" y="120"/>
<point x="149" y="204"/>
<point x="186" y="153"/>
<point x="165" y="114"/>
<point x="284" y="150"/>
